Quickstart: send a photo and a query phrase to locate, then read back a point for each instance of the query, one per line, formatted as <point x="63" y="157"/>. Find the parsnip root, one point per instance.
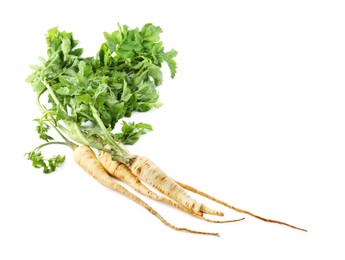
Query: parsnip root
<point x="122" y="172"/>
<point x="86" y="159"/>
<point x="150" y="173"/>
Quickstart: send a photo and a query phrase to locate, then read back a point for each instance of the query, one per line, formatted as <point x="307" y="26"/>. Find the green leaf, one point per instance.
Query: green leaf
<point x="62" y="115"/>
<point x="150" y="32"/>
<point x="66" y="47"/>
<point x="100" y="91"/>
<point x="42" y="128"/>
<point x="55" y="162"/>
<point x="147" y="92"/>
<point x="157" y="75"/>
<point x="126" y="93"/>
<point x="52" y="35"/>
<point x="106" y="117"/>
<point x="77" y="52"/>
<point x="63" y="91"/>
<point x="103" y="55"/>
<point x="125" y="53"/>
<point x="157" y="48"/>
<point x="48" y="165"/>
<point x="35" y="67"/>
<point x="132" y="46"/>
<point x="170" y="55"/>
<point x="31" y="78"/>
<point x="146" y="106"/>
<point x="117" y="109"/>
<point x="86" y="99"/>
<point x="131" y="132"/>
<point x="37" y="86"/>
<point x="113" y="40"/>
<point x="169" y="58"/>
<point x="81" y="67"/>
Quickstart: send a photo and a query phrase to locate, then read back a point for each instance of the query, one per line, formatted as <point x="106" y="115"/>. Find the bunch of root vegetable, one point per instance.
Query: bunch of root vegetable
<point x="83" y="98"/>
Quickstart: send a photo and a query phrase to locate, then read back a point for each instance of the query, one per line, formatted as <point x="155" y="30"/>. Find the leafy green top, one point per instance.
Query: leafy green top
<point x="87" y="96"/>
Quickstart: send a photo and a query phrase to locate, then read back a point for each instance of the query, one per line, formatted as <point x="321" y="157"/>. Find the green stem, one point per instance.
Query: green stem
<point x="121" y="154"/>
<point x="50" y="62"/>
<point x="102" y="126"/>
<point x="45" y="144"/>
<point x="38" y="103"/>
<point x="52" y="94"/>
<point x="68" y="142"/>
<point x="86" y="115"/>
<point x="51" y="121"/>
<point x="74" y="132"/>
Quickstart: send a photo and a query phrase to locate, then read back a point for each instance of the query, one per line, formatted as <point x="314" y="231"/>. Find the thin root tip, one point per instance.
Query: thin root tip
<point x="236" y="220"/>
<point x="207" y="210"/>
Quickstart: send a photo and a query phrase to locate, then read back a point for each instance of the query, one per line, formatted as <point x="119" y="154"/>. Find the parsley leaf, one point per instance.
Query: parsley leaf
<point x="48" y="165"/>
<point x="42" y="129"/>
<point x="131" y="132"/>
<point x="169" y="58"/>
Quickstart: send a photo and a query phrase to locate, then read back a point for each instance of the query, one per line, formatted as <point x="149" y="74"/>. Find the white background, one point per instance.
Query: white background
<point x="255" y="116"/>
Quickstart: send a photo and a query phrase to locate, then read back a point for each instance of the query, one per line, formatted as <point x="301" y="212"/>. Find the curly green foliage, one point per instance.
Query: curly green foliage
<point x="122" y="78"/>
<point x="48" y="165"/>
<point x="131" y="132"/>
<point x="87" y="96"/>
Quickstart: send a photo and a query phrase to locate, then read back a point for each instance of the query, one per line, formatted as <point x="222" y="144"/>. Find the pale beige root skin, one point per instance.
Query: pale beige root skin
<point x="86" y="159"/>
<point x="123" y="173"/>
<point x="150" y="173"/>
<point x="192" y="189"/>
